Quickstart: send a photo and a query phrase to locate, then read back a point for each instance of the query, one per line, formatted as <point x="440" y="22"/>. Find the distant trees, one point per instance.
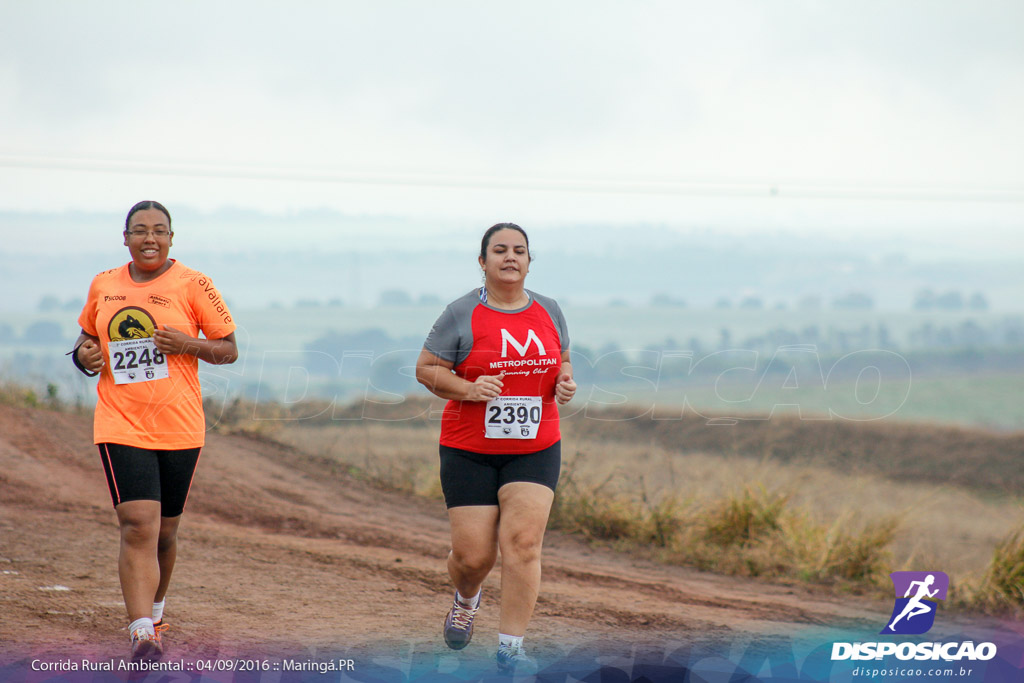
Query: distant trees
<point x="854" y="301"/>
<point x="43" y="332"/>
<point x="752" y="303"/>
<point x="809" y="303"/>
<point x="387" y="299"/>
<point x="385" y="360"/>
<point x="665" y="300"/>
<point x="977" y="302"/>
<point x="49" y="303"/>
<point x="395" y="297"/>
<point x="952" y="300"/>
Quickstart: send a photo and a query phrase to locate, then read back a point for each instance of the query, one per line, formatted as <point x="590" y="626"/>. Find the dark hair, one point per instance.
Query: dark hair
<point x="486" y="241"/>
<point x="145" y="206"/>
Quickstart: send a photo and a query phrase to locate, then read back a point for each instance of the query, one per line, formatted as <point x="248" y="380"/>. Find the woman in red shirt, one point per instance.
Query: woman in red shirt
<point x="500" y="354"/>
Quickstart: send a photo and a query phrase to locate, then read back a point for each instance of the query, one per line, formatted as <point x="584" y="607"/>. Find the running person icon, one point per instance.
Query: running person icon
<point x="916" y="604"/>
<point x="140" y="333"/>
<point x="500" y="355"/>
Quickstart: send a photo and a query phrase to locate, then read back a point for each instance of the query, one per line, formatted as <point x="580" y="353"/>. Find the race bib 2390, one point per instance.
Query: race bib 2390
<point x="513" y="417"/>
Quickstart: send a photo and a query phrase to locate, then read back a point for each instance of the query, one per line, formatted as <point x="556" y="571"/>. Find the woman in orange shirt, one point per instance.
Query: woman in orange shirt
<point x="140" y="334"/>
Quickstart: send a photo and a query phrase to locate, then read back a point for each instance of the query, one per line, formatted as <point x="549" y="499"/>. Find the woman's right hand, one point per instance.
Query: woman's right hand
<point x="90" y="355"/>
<point x="485" y="388"/>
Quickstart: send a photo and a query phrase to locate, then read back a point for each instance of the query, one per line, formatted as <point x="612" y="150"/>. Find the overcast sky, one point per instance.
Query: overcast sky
<point x="874" y="117"/>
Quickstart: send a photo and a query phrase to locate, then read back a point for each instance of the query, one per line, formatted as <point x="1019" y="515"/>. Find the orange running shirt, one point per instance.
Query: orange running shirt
<point x="164" y="413"/>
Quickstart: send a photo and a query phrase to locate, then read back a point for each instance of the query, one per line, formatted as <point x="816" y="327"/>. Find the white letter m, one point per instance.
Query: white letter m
<point x="506" y="338"/>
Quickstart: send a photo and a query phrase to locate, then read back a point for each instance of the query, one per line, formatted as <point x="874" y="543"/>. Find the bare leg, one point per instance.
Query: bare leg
<point x="524" y="515"/>
<point x="474" y="546"/>
<point x="137" y="564"/>
<point x="167" y="553"/>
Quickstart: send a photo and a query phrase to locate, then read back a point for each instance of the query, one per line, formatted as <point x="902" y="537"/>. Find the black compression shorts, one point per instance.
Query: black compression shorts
<point x="146" y="474"/>
<point x="469" y="478"/>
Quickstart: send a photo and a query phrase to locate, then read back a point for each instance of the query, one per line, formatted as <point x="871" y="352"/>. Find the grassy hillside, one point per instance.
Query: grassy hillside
<point x="835" y="503"/>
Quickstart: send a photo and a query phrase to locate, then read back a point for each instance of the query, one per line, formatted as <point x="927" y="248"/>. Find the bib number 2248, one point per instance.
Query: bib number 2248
<point x="136" y="360"/>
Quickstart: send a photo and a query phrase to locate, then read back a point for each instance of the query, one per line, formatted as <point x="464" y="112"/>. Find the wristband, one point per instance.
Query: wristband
<point x="78" y="363"/>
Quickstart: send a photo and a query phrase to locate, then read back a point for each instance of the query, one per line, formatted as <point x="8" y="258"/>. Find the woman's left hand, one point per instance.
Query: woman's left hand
<point x="170" y="341"/>
<point x="565" y="388"/>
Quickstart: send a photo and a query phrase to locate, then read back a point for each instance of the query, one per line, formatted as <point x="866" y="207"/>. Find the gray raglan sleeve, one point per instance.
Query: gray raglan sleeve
<point x="555" y="311"/>
<point x="563" y="327"/>
<point x="443" y="339"/>
<point x="451" y="338"/>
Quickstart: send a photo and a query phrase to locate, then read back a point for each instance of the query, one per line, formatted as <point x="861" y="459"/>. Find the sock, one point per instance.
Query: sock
<point x="145" y="623"/>
<point x="158" y="610"/>
<point x="471" y="603"/>
<point x="513" y="642"/>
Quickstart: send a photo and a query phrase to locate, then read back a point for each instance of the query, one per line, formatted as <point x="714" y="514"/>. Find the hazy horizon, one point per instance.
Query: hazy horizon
<point x="327" y="256"/>
<point x="837" y="121"/>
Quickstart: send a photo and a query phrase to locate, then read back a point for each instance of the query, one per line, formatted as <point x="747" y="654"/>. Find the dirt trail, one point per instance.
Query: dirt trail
<point x="280" y="551"/>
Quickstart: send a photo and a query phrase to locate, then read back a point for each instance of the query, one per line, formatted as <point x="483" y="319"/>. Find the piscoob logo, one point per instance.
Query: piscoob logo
<point x="131" y="323"/>
<point x="917" y="594"/>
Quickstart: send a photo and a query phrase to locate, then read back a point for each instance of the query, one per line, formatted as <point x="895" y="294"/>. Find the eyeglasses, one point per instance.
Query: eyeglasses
<point x="159" y="234"/>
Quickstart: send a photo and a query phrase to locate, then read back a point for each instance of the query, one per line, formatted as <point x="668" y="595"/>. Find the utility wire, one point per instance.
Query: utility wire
<point x="750" y="188"/>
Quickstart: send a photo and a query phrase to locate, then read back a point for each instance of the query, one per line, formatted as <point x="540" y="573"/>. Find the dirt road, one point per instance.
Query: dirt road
<point x="283" y="554"/>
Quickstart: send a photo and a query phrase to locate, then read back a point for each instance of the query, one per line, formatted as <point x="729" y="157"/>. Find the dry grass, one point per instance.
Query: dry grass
<point x="975" y="459"/>
<point x="833" y="503"/>
<point x="837" y="504"/>
<point x="19" y="395"/>
<point x="940" y="527"/>
<point x="752" y="532"/>
<point x="1002" y="587"/>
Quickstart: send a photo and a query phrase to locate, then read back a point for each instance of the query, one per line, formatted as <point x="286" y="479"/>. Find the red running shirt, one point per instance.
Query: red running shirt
<point x="527" y="345"/>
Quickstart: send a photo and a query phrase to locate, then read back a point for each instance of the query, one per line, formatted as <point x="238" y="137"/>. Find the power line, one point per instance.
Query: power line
<point x="749" y="188"/>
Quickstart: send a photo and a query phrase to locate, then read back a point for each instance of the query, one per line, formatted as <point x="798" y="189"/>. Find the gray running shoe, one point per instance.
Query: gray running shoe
<point x="458" y="625"/>
<point x="514" y="662"/>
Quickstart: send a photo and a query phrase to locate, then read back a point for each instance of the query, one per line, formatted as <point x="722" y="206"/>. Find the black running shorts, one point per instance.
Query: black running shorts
<point x="145" y="474"/>
<point x="469" y="478"/>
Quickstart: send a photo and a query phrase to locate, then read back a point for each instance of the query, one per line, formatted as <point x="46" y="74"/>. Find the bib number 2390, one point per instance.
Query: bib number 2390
<point x="513" y="417"/>
<point x="136" y="360"/>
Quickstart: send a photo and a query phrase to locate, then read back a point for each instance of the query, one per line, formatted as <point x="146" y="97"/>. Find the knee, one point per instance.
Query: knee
<point x="167" y="539"/>
<point x="139" y="531"/>
<point x="473" y="561"/>
<point x="523" y="547"/>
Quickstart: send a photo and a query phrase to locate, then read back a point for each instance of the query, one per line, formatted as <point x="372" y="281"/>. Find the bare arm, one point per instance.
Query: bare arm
<point x="89" y="353"/>
<point x="171" y="341"/>
<point x="435" y="373"/>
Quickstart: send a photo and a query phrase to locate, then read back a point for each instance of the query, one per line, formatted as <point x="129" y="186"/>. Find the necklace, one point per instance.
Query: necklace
<point x="484" y="297"/>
